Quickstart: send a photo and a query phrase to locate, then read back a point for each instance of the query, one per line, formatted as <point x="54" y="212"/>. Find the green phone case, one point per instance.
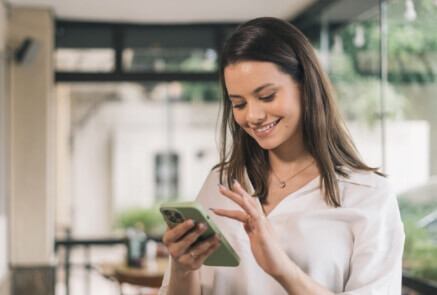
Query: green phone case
<point x="225" y="254"/>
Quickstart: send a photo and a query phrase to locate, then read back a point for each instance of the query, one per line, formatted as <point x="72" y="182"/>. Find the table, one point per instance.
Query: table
<point x="144" y="276"/>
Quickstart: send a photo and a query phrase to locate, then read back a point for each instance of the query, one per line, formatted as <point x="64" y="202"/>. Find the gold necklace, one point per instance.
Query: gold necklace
<point x="283" y="182"/>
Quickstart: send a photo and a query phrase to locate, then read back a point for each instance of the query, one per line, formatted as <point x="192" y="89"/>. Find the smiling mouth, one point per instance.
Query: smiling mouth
<point x="265" y="128"/>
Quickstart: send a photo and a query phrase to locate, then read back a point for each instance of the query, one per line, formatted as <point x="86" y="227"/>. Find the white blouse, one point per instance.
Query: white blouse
<point x="355" y="249"/>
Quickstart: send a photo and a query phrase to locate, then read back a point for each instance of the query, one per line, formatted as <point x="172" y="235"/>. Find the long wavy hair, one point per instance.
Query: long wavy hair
<point x="325" y="135"/>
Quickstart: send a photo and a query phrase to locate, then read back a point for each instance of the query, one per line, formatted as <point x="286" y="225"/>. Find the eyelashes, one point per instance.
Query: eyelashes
<point x="265" y="99"/>
<point x="268" y="98"/>
<point x="239" y="106"/>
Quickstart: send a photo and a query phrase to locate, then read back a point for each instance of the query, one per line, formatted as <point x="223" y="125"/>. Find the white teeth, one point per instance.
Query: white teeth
<point x="265" y="128"/>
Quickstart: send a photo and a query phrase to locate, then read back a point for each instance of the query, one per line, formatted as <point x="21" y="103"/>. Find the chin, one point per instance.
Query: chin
<point x="266" y="144"/>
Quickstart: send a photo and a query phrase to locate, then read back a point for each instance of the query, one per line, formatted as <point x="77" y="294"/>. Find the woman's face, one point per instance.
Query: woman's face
<point x="265" y="103"/>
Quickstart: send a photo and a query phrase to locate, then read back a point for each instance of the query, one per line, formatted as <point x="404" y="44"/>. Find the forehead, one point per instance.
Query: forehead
<point x="247" y="75"/>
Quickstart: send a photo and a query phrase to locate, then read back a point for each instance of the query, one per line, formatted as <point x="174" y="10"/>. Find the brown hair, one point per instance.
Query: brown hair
<point x="324" y="133"/>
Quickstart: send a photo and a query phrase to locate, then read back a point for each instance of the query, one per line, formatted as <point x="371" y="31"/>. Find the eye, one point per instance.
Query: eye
<point x="268" y="98"/>
<point x="239" y="106"/>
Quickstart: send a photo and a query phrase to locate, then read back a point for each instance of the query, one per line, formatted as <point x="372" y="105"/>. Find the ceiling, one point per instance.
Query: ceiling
<point x="166" y="11"/>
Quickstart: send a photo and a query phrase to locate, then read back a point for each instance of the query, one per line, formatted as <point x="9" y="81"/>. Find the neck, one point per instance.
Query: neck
<point x="289" y="157"/>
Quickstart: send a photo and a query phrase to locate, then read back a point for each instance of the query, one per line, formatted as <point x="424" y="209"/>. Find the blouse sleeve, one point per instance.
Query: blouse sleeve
<point x="376" y="261"/>
<point x="166" y="280"/>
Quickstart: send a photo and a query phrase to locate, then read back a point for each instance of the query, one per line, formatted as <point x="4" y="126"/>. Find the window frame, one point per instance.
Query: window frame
<point x="118" y="31"/>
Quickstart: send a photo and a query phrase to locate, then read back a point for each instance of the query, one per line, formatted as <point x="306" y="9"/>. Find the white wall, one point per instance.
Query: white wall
<point x="63" y="159"/>
<point x="407" y="150"/>
<point x="114" y="158"/>
<point x="423" y="98"/>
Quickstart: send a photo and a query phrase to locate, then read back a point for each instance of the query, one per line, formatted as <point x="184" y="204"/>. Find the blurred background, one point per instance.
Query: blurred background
<point x="108" y="108"/>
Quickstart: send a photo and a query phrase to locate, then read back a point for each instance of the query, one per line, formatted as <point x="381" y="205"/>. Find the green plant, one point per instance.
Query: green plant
<point x="420" y="251"/>
<point x="150" y="218"/>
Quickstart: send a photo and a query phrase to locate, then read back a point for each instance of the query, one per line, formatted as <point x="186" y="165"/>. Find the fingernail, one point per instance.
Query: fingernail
<point x="194" y="221"/>
<point x="212" y="209"/>
<point x="221" y="186"/>
<point x="204" y="224"/>
<point x="234" y="180"/>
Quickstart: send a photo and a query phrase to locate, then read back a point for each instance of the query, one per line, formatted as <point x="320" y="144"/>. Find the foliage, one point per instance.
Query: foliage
<point x="150" y="218"/>
<point x="411" y="211"/>
<point x="411" y="46"/>
<point x="420" y="252"/>
<point x="359" y="96"/>
<point x="205" y="91"/>
<point x="409" y="43"/>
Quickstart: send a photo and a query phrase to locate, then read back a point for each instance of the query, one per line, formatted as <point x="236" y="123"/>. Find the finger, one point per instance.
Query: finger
<point x="255" y="208"/>
<point x="234" y="196"/>
<point x="178" y="231"/>
<point x="240" y="191"/>
<point x="168" y="224"/>
<point x="234" y="214"/>
<point x="201" y="247"/>
<point x="179" y="248"/>
<point x="242" y="198"/>
<point x="251" y="209"/>
<point x="208" y="252"/>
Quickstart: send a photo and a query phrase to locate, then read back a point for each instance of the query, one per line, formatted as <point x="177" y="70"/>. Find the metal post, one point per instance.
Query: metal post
<point x="88" y="269"/>
<point x="67" y="262"/>
<point x="383" y="76"/>
<point x="324" y="44"/>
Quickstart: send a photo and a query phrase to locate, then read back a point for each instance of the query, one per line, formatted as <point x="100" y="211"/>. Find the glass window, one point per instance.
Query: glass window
<point x="84" y="48"/>
<point x="358" y="92"/>
<point x="170" y="49"/>
<point x="99" y="60"/>
<point x="412" y="70"/>
<point x="404" y="143"/>
<point x="166" y="176"/>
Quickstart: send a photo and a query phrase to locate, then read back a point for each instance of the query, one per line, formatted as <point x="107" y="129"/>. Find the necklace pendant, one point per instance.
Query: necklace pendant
<point x="282" y="184"/>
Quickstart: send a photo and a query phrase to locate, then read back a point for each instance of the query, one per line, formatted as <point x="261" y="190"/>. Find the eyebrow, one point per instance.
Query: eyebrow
<point x="258" y="89"/>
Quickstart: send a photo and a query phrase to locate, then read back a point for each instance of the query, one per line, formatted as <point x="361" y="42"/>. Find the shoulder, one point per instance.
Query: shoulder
<point x="209" y="195"/>
<point x="213" y="176"/>
<point x="211" y="180"/>
<point x="372" y="200"/>
<point x="364" y="179"/>
<point x="364" y="188"/>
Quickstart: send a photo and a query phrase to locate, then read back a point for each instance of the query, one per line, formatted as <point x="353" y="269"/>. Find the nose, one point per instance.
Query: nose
<point x="255" y="113"/>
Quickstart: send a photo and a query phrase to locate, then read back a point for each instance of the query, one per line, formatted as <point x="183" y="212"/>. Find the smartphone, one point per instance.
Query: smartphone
<point x="178" y="212"/>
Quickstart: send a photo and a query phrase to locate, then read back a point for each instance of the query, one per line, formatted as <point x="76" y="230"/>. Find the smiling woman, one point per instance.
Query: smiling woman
<point x="294" y="199"/>
<point x="269" y="113"/>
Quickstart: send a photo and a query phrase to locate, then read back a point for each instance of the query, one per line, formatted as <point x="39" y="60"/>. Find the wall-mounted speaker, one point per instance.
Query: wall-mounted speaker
<point x="27" y="51"/>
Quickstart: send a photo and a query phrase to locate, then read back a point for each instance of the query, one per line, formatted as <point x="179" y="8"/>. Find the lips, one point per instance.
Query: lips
<point x="266" y="129"/>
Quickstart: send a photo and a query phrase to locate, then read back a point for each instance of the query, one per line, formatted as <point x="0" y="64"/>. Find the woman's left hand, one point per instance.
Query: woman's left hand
<point x="264" y="242"/>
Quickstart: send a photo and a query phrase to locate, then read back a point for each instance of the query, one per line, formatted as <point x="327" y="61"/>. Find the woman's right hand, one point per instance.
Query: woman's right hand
<point x="187" y="254"/>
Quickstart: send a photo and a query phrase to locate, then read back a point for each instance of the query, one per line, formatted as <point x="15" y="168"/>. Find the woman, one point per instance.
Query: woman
<point x="304" y="213"/>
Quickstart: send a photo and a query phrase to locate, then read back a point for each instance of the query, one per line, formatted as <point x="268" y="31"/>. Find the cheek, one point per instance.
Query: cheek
<point x="239" y="118"/>
<point x="292" y="118"/>
<point x="294" y="122"/>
